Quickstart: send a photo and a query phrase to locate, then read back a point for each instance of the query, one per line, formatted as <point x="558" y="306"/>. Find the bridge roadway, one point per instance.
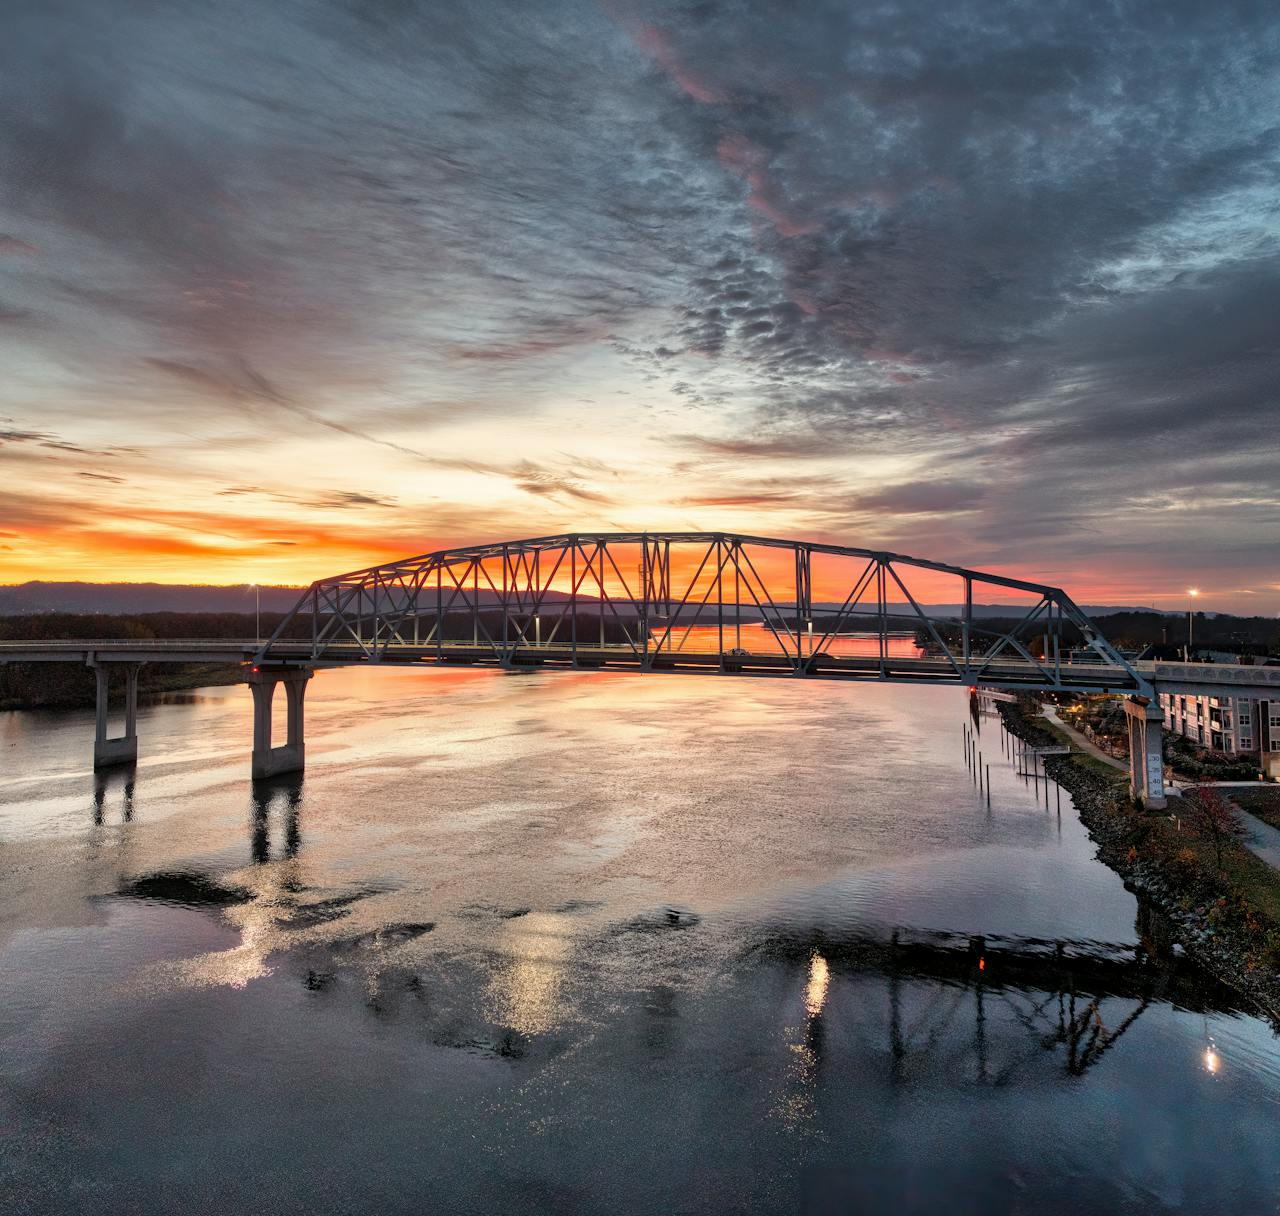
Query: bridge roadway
<point x="1190" y="679"/>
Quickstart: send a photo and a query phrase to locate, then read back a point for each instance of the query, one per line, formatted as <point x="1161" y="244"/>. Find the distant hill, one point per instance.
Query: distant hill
<point x="125" y="598"/>
<point x="25" y="599"/>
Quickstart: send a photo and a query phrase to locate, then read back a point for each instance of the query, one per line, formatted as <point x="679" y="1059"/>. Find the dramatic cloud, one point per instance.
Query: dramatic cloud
<point x="993" y="282"/>
<point x="923" y="498"/>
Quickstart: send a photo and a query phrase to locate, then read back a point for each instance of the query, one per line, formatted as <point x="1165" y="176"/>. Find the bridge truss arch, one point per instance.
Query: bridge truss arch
<point x="702" y="601"/>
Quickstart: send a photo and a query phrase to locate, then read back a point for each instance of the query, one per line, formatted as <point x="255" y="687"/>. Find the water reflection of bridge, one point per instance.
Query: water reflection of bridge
<point x="1077" y="998"/>
<point x="981" y="1007"/>
<point x="114" y="792"/>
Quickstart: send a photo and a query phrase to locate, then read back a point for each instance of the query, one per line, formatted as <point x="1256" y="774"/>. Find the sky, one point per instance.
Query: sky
<point x="292" y="287"/>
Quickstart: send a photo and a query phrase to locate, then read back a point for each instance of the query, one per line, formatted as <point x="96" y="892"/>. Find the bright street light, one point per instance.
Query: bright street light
<point x="1192" y="592"/>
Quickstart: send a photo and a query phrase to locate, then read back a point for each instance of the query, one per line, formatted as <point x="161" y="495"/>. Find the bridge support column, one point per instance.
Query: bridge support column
<point x="124" y="749"/>
<point x="289" y="756"/>
<point x="1146" y="752"/>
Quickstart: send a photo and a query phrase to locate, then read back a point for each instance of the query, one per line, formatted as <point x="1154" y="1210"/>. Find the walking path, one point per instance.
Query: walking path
<point x="1081" y="741"/>
<point x="1261" y="839"/>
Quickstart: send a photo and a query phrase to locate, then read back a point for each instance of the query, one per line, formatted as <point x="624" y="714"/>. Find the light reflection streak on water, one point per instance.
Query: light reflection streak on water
<point x="815" y="995"/>
<point x="525" y="987"/>
<point x="796" y="1108"/>
<point x="258" y="921"/>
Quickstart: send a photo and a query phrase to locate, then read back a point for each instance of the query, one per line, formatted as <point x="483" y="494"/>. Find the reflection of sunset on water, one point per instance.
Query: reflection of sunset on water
<point x="546" y="917"/>
<point x="261" y="933"/>
<point x="526" y="980"/>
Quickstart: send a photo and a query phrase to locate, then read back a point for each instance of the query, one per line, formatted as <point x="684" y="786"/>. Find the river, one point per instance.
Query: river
<point x="593" y="944"/>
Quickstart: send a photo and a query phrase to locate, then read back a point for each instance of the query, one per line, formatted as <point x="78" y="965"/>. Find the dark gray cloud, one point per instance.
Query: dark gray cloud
<point x="1038" y="245"/>
<point x="1005" y="274"/>
<point x="938" y="496"/>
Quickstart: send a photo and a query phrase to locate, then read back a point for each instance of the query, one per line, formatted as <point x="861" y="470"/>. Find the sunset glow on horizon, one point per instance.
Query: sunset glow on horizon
<point x="286" y="298"/>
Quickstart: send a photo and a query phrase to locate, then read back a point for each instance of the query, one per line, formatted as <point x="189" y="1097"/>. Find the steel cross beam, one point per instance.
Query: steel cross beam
<point x="683" y="600"/>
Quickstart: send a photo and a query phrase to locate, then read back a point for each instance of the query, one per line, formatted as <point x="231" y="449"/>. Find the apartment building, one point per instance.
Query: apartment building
<point x="1226" y="724"/>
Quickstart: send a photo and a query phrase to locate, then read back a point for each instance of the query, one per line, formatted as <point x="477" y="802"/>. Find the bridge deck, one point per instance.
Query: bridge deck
<point x="1006" y="672"/>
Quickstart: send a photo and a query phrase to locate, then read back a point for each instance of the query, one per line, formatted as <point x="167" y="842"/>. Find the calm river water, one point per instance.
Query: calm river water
<point x="592" y="944"/>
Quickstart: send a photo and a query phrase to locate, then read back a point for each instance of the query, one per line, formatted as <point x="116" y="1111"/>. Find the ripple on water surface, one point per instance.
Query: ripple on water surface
<point x="586" y="943"/>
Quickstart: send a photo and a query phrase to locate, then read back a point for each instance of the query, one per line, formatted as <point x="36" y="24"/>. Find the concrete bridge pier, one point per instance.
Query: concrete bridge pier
<point x="1146" y="752"/>
<point x="289" y="756"/>
<point x="124" y="749"/>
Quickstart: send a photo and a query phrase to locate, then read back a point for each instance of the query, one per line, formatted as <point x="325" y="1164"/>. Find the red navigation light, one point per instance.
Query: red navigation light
<point x="253" y="669"/>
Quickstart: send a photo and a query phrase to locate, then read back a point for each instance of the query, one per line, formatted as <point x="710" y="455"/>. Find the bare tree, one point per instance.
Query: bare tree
<point x="1214" y="818"/>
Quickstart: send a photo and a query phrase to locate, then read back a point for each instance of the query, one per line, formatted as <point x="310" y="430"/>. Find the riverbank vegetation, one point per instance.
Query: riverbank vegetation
<point x="1252" y="638"/>
<point x="1249" y="636"/>
<point x="1222" y="901"/>
<point x="72" y="685"/>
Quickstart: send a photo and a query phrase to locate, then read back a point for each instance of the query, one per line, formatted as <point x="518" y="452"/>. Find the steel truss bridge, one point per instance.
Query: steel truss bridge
<point x="699" y="601"/>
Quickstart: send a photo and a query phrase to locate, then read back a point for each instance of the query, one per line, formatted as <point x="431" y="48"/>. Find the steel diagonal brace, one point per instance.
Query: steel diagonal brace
<point x="320" y="634"/>
<point x="391" y="623"/>
<point x="764" y="611"/>
<point x="674" y="616"/>
<point x="1099" y="643"/>
<point x="602" y="551"/>
<point x="467" y="603"/>
<point x="911" y="599"/>
<point x="410" y="604"/>
<point x="567" y="606"/>
<point x="764" y="590"/>
<point x="631" y="599"/>
<point x="1009" y="638"/>
<point x="536" y="607"/>
<point x="340" y="600"/>
<point x="712" y="586"/>
<point x="851" y="600"/>
<point x="459" y="585"/>
<point x="311" y="593"/>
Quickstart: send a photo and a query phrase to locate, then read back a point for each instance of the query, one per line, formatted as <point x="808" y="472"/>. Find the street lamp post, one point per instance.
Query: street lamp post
<point x="1192" y="592"/>
<point x="257" y="612"/>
